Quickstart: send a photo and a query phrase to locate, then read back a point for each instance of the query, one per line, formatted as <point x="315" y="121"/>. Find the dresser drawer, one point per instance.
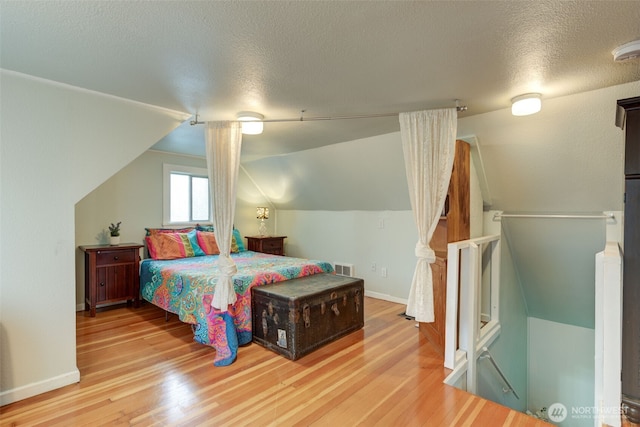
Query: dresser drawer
<point x="266" y="244"/>
<point x="115" y="257"/>
<point x="271" y="244"/>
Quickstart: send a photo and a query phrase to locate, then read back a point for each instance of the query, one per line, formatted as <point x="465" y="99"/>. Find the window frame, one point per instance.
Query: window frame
<point x="192" y="171"/>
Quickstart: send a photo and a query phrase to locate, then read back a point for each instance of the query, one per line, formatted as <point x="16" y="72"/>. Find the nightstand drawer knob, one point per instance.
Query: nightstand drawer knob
<point x="101" y="283"/>
<point x="116" y="258"/>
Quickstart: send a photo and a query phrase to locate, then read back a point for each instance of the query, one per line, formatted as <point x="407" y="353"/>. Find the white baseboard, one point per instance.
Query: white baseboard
<point x="457" y="376"/>
<point x="33" y="389"/>
<point x="81" y="307"/>
<point x="385" y="297"/>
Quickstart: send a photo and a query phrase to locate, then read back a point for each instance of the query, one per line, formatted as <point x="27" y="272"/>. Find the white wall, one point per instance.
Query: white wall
<point x="58" y="143"/>
<point x="133" y="196"/>
<point x="561" y="369"/>
<point x="363" y="174"/>
<point x="555" y="259"/>
<point x="566" y="158"/>
<point x="361" y="238"/>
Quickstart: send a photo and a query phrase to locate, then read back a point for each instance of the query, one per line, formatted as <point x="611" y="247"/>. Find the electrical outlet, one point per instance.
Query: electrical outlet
<point x="383" y="271"/>
<point x="373" y="266"/>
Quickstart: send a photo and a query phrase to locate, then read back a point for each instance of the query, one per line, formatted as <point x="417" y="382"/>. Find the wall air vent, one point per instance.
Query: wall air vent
<point x="343" y="269"/>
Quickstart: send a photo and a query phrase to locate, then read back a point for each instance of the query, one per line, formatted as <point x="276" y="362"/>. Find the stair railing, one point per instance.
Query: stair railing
<point x="486" y="355"/>
<point x="464" y="341"/>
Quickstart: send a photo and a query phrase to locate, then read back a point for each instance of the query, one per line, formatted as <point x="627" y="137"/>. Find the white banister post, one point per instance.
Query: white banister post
<point x="451" y="316"/>
<point x="608" y="335"/>
<point x="463" y="330"/>
<point x="495" y="280"/>
<point x="472" y="308"/>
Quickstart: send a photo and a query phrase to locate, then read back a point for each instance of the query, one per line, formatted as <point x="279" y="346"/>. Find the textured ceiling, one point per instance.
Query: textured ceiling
<point x="328" y="58"/>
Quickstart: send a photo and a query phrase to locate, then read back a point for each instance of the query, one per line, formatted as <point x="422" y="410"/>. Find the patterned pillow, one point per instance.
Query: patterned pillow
<point x="238" y="238"/>
<point x="167" y="245"/>
<point x="234" y="245"/>
<point x="207" y="241"/>
<point x="152" y="231"/>
<point x="237" y="244"/>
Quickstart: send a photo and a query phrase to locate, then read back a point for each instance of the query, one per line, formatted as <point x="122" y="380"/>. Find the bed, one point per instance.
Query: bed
<point x="184" y="286"/>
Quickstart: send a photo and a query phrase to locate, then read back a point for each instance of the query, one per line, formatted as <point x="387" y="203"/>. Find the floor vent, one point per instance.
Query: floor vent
<point x="343" y="269"/>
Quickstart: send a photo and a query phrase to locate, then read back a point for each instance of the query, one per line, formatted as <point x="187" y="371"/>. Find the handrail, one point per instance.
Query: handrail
<point x="465" y="336"/>
<point x="463" y="278"/>
<point x="605" y="215"/>
<point x="495" y="365"/>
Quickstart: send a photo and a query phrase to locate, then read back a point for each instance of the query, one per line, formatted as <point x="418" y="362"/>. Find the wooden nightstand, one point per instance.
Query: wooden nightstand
<point x="266" y="244"/>
<point x="112" y="274"/>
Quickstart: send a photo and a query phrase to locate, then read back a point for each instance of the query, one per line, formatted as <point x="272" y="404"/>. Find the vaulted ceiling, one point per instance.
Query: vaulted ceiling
<point x="329" y="58"/>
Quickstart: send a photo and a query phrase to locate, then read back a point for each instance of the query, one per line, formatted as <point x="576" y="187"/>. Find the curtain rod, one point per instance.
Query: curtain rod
<point x="459" y="108"/>
<point x="609" y="215"/>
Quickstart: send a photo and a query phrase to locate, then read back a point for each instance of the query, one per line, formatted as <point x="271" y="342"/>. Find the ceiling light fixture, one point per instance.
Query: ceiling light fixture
<point x="627" y="51"/>
<point x="251" y="122"/>
<point x="524" y="105"/>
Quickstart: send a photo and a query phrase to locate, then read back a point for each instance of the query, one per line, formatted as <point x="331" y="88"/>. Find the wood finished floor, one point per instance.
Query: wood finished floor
<point x="136" y="369"/>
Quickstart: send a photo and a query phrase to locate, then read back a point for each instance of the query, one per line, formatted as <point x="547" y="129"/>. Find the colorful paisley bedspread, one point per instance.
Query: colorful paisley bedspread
<point x="185" y="287"/>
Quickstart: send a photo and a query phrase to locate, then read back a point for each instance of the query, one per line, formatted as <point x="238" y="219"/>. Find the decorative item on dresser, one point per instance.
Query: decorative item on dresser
<point x="262" y="213"/>
<point x="111" y="274"/>
<point x="631" y="262"/>
<point x="114" y="233"/>
<point x="266" y="244"/>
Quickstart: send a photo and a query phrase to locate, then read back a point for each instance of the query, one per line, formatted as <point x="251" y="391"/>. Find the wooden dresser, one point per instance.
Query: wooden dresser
<point x="112" y="274"/>
<point x="453" y="227"/>
<point x="267" y="244"/>
<point x="631" y="263"/>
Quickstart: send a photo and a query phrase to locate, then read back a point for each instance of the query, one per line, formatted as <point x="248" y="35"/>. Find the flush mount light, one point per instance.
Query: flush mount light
<point x="627" y="51"/>
<point x="251" y="122"/>
<point x="524" y="105"/>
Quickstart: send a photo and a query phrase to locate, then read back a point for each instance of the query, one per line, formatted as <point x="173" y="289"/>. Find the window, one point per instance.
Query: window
<point x="186" y="195"/>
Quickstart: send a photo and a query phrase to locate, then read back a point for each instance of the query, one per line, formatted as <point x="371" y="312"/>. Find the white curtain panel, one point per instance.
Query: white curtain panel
<point x="428" y="143"/>
<point x="224" y="141"/>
